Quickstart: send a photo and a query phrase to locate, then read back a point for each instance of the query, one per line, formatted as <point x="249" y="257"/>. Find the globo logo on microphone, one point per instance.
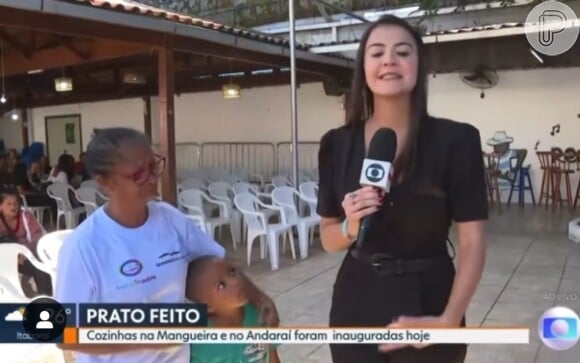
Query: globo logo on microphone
<point x="375" y="172"/>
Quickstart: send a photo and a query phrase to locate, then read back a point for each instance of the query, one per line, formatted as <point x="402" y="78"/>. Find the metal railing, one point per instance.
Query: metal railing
<point x="187" y="155"/>
<point x="254" y="157"/>
<point x="307" y="156"/>
<point x="262" y="158"/>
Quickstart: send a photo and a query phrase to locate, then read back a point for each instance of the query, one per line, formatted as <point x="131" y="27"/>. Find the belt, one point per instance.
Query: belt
<point x="384" y="264"/>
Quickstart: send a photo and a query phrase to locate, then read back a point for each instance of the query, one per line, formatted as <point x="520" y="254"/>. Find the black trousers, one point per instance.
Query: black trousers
<point x="42" y="279"/>
<point x="363" y="298"/>
<point x="42" y="200"/>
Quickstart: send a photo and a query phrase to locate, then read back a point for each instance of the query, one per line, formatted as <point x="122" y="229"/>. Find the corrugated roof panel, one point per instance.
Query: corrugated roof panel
<point x="146" y="10"/>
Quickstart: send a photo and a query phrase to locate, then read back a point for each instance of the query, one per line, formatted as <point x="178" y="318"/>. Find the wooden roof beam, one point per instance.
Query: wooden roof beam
<point x="151" y="30"/>
<point x="68" y="43"/>
<point x="19" y="47"/>
<point x="62" y="57"/>
<point x="111" y="92"/>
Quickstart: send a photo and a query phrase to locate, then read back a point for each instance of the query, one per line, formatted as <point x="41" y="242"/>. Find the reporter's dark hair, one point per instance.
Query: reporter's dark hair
<point x="105" y="148"/>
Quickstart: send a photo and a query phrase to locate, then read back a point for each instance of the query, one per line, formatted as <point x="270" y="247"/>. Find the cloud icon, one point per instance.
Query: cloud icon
<point x="16" y="315"/>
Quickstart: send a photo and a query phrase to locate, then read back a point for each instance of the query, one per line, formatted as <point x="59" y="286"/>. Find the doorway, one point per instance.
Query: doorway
<point x="63" y="136"/>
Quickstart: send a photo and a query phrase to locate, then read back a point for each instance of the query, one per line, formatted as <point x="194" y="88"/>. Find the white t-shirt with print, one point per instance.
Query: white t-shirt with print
<point x="104" y="262"/>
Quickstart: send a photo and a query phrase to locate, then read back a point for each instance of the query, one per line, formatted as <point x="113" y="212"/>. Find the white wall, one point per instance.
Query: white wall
<point x="261" y="114"/>
<point x="11" y="133"/>
<point x="93" y="115"/>
<point x="526" y="104"/>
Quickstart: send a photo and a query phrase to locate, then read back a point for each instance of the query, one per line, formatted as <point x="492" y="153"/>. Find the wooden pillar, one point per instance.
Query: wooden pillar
<point x="147" y="117"/>
<point x="24" y="126"/>
<point x="167" y="124"/>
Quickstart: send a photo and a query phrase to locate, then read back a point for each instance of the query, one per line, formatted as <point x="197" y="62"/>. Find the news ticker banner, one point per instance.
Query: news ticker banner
<point x="46" y="320"/>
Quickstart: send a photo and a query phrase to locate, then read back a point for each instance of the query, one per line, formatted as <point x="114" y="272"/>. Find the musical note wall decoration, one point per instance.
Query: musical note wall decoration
<point x="537" y="144"/>
<point x="555" y="130"/>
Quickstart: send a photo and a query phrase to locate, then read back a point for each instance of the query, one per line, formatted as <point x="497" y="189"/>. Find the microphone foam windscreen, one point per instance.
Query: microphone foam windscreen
<point x="383" y="145"/>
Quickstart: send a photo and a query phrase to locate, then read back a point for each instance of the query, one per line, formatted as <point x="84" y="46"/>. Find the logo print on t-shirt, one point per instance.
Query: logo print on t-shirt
<point x="170" y="257"/>
<point x="131" y="267"/>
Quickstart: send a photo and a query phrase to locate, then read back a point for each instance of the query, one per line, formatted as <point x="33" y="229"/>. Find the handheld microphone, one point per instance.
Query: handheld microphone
<point x="377" y="167"/>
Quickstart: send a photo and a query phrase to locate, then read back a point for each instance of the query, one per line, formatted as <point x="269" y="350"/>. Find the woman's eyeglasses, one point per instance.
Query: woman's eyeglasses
<point x="154" y="168"/>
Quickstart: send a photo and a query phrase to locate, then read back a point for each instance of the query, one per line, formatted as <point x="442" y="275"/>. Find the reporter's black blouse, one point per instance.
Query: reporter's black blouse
<point x="448" y="185"/>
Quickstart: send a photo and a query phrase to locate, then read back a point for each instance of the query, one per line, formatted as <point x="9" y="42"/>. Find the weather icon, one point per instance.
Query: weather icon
<point x="16" y="315"/>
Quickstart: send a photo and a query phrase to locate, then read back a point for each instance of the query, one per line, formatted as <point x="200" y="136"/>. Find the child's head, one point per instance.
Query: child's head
<point x="215" y="282"/>
<point x="9" y="204"/>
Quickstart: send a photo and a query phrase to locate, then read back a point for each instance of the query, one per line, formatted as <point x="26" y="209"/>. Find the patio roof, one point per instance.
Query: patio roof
<point x="85" y="39"/>
<point x="447" y="35"/>
<point x="98" y="42"/>
<point x="463" y="49"/>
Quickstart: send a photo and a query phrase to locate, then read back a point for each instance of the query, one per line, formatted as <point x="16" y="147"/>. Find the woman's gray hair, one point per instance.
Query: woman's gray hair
<point x="105" y="148"/>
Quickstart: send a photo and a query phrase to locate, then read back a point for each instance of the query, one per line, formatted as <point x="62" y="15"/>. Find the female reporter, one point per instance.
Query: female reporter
<point x="402" y="273"/>
<point x="133" y="249"/>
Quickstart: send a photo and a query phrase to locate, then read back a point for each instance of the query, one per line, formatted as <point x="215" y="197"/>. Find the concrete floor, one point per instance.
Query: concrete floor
<point x="528" y="258"/>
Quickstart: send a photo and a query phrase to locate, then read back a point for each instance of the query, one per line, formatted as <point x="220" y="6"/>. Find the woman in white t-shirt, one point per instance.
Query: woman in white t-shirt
<point x="134" y="249"/>
<point x="63" y="172"/>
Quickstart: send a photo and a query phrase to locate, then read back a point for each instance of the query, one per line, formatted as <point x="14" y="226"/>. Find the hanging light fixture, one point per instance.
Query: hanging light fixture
<point x="3" y="96"/>
<point x="134" y="78"/>
<point x="231" y="90"/>
<point x="14" y="116"/>
<point x="63" y="84"/>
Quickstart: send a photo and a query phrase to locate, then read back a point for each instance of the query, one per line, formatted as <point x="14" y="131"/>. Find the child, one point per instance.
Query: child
<point x="17" y="225"/>
<point x="215" y="282"/>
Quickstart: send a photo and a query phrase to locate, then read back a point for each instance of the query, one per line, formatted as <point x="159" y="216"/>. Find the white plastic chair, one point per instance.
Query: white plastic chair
<point x="244" y="187"/>
<point x="309" y="191"/>
<point x="60" y="193"/>
<point x="192" y="183"/>
<point x="9" y="265"/>
<point x="88" y="197"/>
<point x="48" y="247"/>
<point x="280" y="181"/>
<point x="10" y="293"/>
<point x="285" y="198"/>
<point x="223" y="191"/>
<point x="37" y="211"/>
<point x="194" y="201"/>
<point x="89" y="184"/>
<point x="199" y="221"/>
<point x="258" y="226"/>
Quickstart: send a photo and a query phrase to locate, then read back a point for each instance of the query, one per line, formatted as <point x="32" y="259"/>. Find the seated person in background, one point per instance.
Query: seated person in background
<point x="501" y="147"/>
<point x="6" y="177"/>
<point x="80" y="168"/>
<point x="20" y="226"/>
<point x="64" y="171"/>
<point x="35" y="196"/>
<point x="13" y="159"/>
<point x="215" y="282"/>
<point x="35" y="175"/>
<point x="45" y="167"/>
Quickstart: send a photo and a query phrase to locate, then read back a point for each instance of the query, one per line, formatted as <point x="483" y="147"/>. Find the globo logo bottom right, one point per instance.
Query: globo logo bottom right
<point x="558" y="328"/>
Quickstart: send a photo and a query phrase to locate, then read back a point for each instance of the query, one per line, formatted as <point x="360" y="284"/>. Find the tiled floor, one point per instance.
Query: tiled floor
<point x="529" y="258"/>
